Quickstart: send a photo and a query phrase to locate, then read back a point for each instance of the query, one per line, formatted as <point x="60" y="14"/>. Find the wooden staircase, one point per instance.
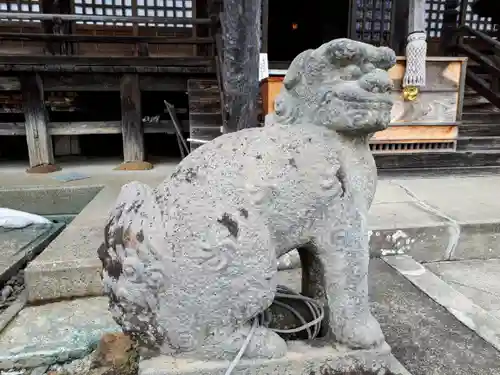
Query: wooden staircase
<point x="480" y="128"/>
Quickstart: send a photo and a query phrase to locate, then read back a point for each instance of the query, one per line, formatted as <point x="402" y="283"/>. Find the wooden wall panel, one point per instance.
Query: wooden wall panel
<point x="428" y="108"/>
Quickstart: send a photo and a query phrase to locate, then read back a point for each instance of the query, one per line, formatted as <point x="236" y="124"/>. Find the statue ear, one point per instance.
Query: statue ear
<point x="295" y="71"/>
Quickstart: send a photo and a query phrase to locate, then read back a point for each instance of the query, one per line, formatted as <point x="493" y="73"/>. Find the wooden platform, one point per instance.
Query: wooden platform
<point x="426" y="125"/>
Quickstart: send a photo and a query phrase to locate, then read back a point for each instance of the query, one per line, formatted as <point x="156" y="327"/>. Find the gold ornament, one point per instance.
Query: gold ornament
<point x="410" y="93"/>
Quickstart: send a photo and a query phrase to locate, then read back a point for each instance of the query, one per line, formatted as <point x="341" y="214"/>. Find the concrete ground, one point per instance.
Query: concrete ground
<point x="435" y="288"/>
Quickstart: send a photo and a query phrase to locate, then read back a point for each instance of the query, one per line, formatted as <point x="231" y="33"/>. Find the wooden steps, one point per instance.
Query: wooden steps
<point x="205" y="119"/>
<point x="478" y="143"/>
<point x="480" y="128"/>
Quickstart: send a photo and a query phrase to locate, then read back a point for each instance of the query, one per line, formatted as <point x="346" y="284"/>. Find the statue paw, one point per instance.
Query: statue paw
<point x="264" y="343"/>
<point x="362" y="333"/>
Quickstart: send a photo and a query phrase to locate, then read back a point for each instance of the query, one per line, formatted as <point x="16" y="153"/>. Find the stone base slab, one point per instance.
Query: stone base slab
<point x="303" y="358"/>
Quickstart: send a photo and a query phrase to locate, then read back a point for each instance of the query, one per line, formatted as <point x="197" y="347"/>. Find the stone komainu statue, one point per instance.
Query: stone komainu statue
<point x="189" y="264"/>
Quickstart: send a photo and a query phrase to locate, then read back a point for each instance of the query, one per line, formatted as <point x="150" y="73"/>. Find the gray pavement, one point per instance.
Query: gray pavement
<point x="478" y="280"/>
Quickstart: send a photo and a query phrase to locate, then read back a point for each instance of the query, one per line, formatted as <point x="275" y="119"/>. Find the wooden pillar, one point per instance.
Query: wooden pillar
<point x="201" y="10"/>
<point x="450" y="20"/>
<point x="132" y="127"/>
<point x="416" y="19"/>
<point x="400" y="27"/>
<point x="265" y="26"/>
<point x="41" y="154"/>
<point x="241" y="26"/>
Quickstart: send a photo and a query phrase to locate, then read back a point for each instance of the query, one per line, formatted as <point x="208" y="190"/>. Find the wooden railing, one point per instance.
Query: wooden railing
<point x="66" y="40"/>
<point x="484" y="63"/>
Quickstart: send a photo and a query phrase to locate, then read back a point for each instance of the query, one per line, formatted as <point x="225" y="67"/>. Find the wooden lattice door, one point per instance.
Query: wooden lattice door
<point x="372" y="21"/>
<point x="434" y="10"/>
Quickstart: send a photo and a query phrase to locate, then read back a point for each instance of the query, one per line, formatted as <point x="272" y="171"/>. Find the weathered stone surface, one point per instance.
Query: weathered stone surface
<point x="189" y="264"/>
<point x="301" y="359"/>
<point x="57" y="332"/>
<point x="47" y="200"/>
<point x="473" y="316"/>
<point x="476" y="279"/>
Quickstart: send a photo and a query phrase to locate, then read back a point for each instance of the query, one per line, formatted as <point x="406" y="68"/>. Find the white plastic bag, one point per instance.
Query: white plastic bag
<point x="14" y="219"/>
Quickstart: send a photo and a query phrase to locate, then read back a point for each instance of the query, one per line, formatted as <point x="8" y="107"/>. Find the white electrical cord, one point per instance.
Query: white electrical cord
<point x="282" y="292"/>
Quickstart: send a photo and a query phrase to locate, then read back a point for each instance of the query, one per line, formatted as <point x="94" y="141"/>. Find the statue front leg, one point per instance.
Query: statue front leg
<point x="341" y="246"/>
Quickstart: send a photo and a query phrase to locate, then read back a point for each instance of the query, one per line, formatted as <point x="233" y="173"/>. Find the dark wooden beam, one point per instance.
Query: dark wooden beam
<point x="107" y="69"/>
<point x="450" y="23"/>
<point x="104" y="18"/>
<point x="103" y="38"/>
<point x="132" y="129"/>
<point x="241" y="26"/>
<point x="75" y="128"/>
<point x="36" y="119"/>
<point x="400" y="26"/>
<point x="97" y="82"/>
<point x="201" y="10"/>
<point x="107" y="61"/>
<point x="83" y="64"/>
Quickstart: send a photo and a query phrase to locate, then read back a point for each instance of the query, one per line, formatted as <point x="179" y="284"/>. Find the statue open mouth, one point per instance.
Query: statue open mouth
<point x="365" y="98"/>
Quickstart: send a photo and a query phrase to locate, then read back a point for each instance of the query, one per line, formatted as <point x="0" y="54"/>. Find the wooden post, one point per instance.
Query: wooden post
<point x="132" y="127"/>
<point x="400" y="28"/>
<point x="241" y="26"/>
<point x="265" y="26"/>
<point x="416" y="19"/>
<point x="450" y="19"/>
<point x="40" y="150"/>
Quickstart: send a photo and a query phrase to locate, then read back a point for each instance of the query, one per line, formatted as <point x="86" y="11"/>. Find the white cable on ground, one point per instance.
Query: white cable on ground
<point x="282" y="292"/>
<point x="233" y="364"/>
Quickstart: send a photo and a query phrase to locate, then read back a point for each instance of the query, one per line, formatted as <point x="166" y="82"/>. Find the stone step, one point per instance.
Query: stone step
<point x="55" y="332"/>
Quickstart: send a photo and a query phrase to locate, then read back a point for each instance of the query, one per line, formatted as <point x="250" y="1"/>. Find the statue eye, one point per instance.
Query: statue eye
<point x="327" y="98"/>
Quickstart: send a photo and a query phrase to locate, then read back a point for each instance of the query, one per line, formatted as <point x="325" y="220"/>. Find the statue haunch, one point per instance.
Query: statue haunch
<point x="189" y="264"/>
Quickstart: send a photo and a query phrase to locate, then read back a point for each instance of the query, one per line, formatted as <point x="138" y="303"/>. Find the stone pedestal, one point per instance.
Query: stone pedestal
<point x="303" y="358"/>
